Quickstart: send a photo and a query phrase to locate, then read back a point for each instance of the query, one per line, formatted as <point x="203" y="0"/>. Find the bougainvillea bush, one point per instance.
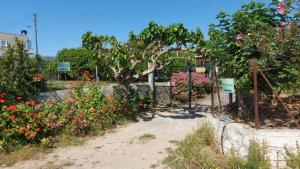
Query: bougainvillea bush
<point x="180" y="82"/>
<point x="80" y="113"/>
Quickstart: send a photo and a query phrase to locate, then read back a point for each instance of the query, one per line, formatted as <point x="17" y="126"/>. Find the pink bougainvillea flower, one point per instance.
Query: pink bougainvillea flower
<point x="280" y="8"/>
<point x="240" y="36"/>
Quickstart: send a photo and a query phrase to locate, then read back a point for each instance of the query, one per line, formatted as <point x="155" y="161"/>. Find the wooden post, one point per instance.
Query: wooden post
<point x="255" y="99"/>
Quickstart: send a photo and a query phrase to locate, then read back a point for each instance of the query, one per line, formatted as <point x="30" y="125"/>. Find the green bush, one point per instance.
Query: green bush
<point x="293" y="159"/>
<point x="17" y="72"/>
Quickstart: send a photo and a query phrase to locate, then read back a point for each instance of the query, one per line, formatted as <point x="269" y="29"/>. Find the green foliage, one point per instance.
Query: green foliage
<point x="80" y="60"/>
<point x="141" y="54"/>
<point x="293" y="158"/>
<point x="258" y="31"/>
<point x="17" y="72"/>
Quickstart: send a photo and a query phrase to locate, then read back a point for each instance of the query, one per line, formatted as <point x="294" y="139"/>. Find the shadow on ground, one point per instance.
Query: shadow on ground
<point x="172" y="113"/>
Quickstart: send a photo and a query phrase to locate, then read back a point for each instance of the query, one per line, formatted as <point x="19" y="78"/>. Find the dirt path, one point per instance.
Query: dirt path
<point x="138" y="145"/>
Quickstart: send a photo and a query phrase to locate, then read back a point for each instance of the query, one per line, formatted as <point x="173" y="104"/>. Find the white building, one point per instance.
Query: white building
<point x="9" y="39"/>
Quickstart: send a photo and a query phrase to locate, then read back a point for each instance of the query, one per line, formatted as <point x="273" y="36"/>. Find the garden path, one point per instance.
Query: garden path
<point x="137" y="145"/>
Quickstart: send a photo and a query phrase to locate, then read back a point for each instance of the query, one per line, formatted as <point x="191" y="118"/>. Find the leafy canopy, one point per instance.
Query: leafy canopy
<point x="142" y="53"/>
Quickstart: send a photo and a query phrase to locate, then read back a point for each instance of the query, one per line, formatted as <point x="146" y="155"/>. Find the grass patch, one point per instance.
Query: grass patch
<point x="21" y="154"/>
<point x="293" y="158"/>
<point x="201" y="151"/>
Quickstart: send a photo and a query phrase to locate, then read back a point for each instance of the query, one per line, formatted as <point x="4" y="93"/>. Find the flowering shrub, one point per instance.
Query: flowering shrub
<point x="180" y="82"/>
<point x="28" y="122"/>
<point x="88" y="110"/>
<point x="81" y="112"/>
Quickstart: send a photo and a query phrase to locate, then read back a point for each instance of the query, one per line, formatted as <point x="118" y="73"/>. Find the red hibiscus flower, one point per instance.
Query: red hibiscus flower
<point x="12" y="108"/>
<point x="19" y="98"/>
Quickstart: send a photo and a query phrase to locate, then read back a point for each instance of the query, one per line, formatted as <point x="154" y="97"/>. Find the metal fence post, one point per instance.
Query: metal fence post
<point x="190" y="85"/>
<point x="212" y="88"/>
<point x="255" y="99"/>
<point x="171" y="94"/>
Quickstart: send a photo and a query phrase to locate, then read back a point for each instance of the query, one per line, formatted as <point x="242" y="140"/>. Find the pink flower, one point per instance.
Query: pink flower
<point x="70" y="100"/>
<point x="280" y="8"/>
<point x="240" y="36"/>
<point x="281" y="23"/>
<point x="73" y="108"/>
<point x="52" y="116"/>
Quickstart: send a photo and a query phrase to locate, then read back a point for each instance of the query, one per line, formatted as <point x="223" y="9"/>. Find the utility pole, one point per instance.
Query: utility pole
<point x="36" y="36"/>
<point x="39" y="60"/>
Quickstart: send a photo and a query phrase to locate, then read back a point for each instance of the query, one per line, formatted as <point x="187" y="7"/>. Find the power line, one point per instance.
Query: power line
<point x="15" y="21"/>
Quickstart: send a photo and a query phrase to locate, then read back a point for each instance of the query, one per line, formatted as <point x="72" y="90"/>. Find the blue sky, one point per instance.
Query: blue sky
<point x="62" y="22"/>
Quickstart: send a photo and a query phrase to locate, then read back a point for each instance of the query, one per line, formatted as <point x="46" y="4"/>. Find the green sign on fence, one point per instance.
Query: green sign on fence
<point x="228" y="85"/>
<point x="63" y="67"/>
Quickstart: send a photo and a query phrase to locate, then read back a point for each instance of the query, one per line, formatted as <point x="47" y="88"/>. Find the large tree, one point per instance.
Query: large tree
<point x="142" y="53"/>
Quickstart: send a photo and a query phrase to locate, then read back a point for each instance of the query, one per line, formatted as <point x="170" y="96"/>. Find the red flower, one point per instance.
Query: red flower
<point x="27" y="103"/>
<point x="27" y="134"/>
<point x="33" y="103"/>
<point x="20" y="130"/>
<point x="2" y="101"/>
<point x="12" y="107"/>
<point x="12" y="117"/>
<point x="19" y="98"/>
<point x="37" y="129"/>
<point x="30" y="114"/>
